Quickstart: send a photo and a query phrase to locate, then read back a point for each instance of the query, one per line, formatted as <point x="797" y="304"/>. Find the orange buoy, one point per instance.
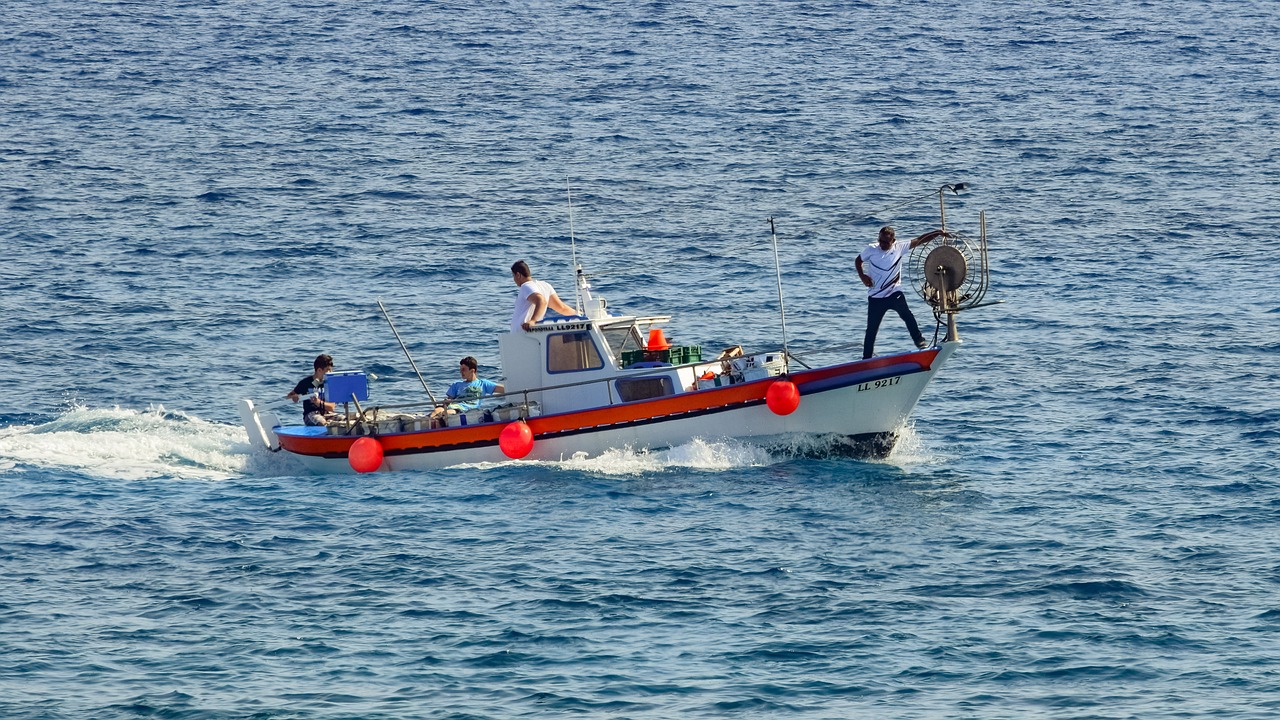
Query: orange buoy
<point x="365" y="455"/>
<point x="516" y="440"/>
<point x="782" y="397"/>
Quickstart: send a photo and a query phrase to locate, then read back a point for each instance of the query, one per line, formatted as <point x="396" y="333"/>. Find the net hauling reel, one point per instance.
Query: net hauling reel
<point x="951" y="272"/>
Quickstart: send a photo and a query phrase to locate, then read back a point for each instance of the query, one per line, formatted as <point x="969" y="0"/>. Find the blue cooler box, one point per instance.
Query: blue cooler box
<point x="340" y="386"/>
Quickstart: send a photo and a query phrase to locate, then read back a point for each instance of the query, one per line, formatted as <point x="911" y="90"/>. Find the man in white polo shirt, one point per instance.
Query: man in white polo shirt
<point x="880" y="267"/>
<point x="534" y="299"/>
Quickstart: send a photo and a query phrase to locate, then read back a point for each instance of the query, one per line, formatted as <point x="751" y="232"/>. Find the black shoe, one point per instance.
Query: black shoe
<point x="922" y="343"/>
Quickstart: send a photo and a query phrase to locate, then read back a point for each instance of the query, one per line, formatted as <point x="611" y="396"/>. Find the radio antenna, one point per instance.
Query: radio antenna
<point x="777" y="265"/>
<point x="573" y="249"/>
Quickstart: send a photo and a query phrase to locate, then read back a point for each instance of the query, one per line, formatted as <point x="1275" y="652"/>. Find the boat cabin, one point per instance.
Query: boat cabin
<point x="578" y="363"/>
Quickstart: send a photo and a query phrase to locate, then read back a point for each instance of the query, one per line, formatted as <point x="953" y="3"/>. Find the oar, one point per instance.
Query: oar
<point x="406" y="352"/>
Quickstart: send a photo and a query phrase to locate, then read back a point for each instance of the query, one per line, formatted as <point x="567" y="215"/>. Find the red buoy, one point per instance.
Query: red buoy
<point x="782" y="397"/>
<point x="365" y="455"/>
<point x="516" y="440"/>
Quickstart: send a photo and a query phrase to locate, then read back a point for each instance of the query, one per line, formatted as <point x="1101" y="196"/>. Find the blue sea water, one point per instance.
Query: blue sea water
<point x="198" y="197"/>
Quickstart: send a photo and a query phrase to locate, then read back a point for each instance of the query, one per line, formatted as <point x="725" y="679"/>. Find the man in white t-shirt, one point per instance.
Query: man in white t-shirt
<point x="534" y="299"/>
<point x="880" y="267"/>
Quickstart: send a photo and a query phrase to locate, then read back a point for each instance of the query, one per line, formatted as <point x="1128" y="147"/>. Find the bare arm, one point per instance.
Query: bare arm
<point x="866" y="279"/>
<point x="328" y="406"/>
<point x="539" y="309"/>
<point x="559" y="306"/>
<point x="927" y="237"/>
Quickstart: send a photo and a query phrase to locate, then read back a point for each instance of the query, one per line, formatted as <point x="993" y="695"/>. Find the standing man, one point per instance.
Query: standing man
<point x="880" y="267"/>
<point x="313" y="408"/>
<point x="534" y="299"/>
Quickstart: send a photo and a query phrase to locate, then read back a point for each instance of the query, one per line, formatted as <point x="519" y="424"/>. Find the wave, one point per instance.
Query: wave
<point x="128" y="444"/>
<point x="697" y="454"/>
<point x="158" y="443"/>
<point x="720" y="455"/>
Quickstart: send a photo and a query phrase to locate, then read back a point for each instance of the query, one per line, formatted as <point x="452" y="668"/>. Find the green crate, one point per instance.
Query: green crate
<point x="675" y="356"/>
<point x="686" y="354"/>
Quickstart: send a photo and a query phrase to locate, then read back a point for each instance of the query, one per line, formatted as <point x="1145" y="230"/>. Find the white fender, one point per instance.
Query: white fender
<point x="260" y="425"/>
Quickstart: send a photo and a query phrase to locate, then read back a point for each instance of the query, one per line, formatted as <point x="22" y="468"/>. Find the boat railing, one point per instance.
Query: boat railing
<point x="523" y="395"/>
<point x="523" y="400"/>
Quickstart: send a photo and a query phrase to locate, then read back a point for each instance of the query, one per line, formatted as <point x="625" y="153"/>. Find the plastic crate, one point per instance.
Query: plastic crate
<point x="676" y="356"/>
<point x="685" y="354"/>
<point x="636" y="357"/>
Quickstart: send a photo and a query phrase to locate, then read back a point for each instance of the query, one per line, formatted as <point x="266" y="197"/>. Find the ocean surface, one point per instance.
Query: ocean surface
<point x="196" y="198"/>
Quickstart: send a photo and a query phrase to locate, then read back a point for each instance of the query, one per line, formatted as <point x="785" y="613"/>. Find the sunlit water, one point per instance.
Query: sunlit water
<point x="1079" y="522"/>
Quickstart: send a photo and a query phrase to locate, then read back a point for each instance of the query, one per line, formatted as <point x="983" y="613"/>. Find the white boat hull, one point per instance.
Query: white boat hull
<point x="867" y="402"/>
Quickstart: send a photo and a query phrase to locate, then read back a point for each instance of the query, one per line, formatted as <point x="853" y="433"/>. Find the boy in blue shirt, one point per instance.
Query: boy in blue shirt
<point x="465" y="394"/>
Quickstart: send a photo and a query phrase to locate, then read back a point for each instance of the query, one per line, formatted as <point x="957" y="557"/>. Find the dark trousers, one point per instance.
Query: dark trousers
<point x="876" y="308"/>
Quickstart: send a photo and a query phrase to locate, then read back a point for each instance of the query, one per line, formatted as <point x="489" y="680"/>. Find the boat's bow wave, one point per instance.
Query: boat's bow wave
<point x="729" y="454"/>
<point x="697" y="454"/>
<point x="906" y="447"/>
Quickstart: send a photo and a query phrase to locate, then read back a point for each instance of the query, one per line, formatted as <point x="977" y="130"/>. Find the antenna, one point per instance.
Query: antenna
<point x="777" y="266"/>
<point x="573" y="248"/>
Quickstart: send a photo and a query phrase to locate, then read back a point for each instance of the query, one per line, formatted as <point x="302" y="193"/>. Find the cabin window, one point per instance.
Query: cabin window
<point x="570" y="352"/>
<point x="643" y="388"/>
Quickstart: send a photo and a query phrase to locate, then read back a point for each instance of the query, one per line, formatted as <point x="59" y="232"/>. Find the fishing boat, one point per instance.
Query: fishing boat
<point x="585" y="384"/>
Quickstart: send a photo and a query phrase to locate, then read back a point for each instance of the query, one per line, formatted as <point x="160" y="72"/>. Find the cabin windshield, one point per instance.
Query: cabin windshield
<point x="623" y="337"/>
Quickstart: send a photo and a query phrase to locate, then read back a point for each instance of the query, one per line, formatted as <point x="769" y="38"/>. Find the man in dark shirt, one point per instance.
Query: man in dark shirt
<point x="313" y="408"/>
